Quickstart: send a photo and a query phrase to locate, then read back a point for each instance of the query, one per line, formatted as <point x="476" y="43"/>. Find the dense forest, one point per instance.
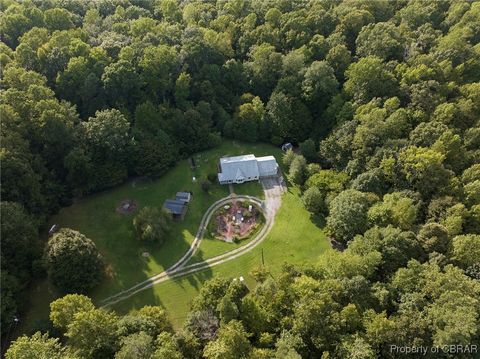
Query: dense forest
<point x="381" y="97"/>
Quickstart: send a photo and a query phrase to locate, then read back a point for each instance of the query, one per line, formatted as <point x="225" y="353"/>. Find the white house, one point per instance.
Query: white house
<point x="246" y="168"/>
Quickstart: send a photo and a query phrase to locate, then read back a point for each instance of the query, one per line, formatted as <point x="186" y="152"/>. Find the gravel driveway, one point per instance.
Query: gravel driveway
<point x="273" y="187"/>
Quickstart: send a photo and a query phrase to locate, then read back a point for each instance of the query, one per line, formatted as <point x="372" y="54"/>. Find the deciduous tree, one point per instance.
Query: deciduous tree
<point x="298" y="170"/>
<point x="313" y="200"/>
<point x="73" y="261"/>
<point x="92" y="333"/>
<point x="63" y="310"/>
<point x="38" y="345"/>
<point x="466" y="250"/>
<point x="348" y="215"/>
<point x="152" y="224"/>
<point x="232" y="342"/>
<point x="369" y="78"/>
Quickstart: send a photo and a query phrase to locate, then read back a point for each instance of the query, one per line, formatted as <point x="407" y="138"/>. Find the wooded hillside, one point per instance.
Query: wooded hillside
<point x="382" y="98"/>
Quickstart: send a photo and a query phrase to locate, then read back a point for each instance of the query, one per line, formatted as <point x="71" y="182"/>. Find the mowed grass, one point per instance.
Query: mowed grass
<point x="294" y="238"/>
<point x="253" y="188"/>
<point x="97" y="218"/>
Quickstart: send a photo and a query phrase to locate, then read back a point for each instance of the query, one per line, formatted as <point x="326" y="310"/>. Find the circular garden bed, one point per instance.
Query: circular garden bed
<point x="236" y="221"/>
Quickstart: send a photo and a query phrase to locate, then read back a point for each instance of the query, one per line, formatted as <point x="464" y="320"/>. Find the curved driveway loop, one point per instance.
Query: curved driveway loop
<point x="273" y="188"/>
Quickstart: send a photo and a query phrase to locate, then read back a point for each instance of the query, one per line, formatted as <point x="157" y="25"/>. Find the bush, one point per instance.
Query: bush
<point x="276" y="140"/>
<point x="152" y="224"/>
<point x="313" y="168"/>
<point x="288" y="157"/>
<point x="313" y="200"/>
<point x="73" y="262"/>
<point x="212" y="177"/>
<point x="309" y="150"/>
<point x="206" y="185"/>
<point x="298" y="170"/>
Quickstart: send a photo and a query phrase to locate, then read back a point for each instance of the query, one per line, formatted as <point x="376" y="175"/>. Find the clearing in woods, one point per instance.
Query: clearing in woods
<point x="293" y="236"/>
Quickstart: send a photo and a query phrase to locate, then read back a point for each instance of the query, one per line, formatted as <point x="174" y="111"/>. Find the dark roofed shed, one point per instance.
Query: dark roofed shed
<point x="183" y="196"/>
<point x="176" y="207"/>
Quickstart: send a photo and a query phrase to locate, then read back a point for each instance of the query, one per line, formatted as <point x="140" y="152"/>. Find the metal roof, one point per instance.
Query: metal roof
<point x="234" y="168"/>
<point x="236" y="159"/>
<point x="267" y="158"/>
<point x="175" y="206"/>
<point x="267" y="166"/>
<point x="183" y="196"/>
<point x="246" y="167"/>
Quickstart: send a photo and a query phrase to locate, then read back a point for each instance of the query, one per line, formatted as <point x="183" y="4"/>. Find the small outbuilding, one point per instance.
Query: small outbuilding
<point x="177" y="208"/>
<point x="287" y="146"/>
<point x="183" y="196"/>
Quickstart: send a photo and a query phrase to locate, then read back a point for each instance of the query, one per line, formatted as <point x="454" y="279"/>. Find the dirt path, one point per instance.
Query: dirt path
<point x="273" y="189"/>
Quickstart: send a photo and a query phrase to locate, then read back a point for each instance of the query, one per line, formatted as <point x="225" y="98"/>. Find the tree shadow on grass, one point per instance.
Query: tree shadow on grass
<point x="138" y="301"/>
<point x="284" y="178"/>
<point x="319" y="220"/>
<point x="197" y="279"/>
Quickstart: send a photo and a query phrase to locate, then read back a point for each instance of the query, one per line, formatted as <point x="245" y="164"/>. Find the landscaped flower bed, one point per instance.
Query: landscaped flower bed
<point x="236" y="221"/>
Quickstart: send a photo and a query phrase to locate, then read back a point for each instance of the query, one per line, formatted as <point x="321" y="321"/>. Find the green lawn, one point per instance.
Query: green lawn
<point x="251" y="188"/>
<point x="96" y="217"/>
<point x="295" y="238"/>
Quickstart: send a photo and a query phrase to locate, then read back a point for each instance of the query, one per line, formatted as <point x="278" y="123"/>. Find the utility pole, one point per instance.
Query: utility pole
<point x="263" y="260"/>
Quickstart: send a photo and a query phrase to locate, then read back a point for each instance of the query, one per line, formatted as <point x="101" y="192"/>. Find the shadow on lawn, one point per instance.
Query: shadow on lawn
<point x="140" y="300"/>
<point x="197" y="279"/>
<point x="148" y="296"/>
<point x="318" y="220"/>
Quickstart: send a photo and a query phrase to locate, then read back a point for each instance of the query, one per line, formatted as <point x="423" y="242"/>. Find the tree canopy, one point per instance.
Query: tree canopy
<point x="152" y="224"/>
<point x="73" y="261"/>
<point x="382" y="99"/>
